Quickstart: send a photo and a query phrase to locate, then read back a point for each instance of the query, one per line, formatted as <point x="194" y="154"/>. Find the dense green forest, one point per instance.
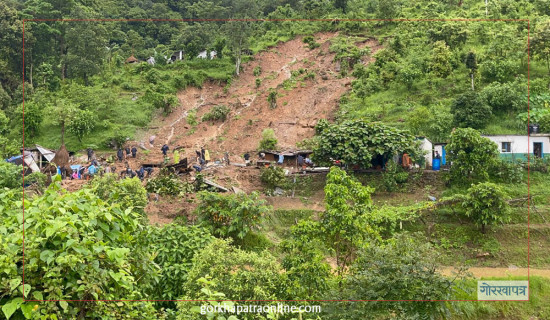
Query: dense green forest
<point x="373" y="236"/>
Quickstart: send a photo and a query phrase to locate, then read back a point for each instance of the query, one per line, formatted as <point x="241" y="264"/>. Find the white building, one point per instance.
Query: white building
<point x="204" y="54"/>
<point x="516" y="147"/>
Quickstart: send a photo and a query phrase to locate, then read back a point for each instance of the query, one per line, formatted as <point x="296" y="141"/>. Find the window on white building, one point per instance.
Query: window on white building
<point x="506" y="147"/>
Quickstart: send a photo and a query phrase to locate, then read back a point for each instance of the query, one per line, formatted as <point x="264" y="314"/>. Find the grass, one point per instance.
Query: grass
<point x="536" y="308"/>
<point x="117" y="99"/>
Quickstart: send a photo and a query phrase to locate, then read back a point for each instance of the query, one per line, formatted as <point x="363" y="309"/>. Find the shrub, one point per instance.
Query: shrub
<point x="310" y="41"/>
<point x="469" y="110"/>
<point x="10" y="175"/>
<point x="272" y="98"/>
<point x="174" y="247"/>
<point x="258" y="82"/>
<point x="232" y="215"/>
<point x="506" y="171"/>
<point x="152" y="76"/>
<point x="269" y="141"/>
<point x="38" y="179"/>
<point x="274" y="177"/>
<point x="485" y="204"/>
<point x="126" y="192"/>
<point x="393" y="176"/>
<point x="167" y="183"/>
<point x="257" y="71"/>
<point x="218" y="113"/>
<point x="240" y="275"/>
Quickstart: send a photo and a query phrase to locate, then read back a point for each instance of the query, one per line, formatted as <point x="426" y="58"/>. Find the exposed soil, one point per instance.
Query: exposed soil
<point x="298" y="110"/>
<point x="500" y="272"/>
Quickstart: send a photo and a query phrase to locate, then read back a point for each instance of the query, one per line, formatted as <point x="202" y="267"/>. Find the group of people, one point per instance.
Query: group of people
<point x="129" y="152"/>
<point x="203" y="158"/>
<point x="304" y="162"/>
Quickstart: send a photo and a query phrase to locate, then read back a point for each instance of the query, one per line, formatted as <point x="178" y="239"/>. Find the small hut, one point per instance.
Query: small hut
<point x="132" y="59"/>
<point x="61" y="157"/>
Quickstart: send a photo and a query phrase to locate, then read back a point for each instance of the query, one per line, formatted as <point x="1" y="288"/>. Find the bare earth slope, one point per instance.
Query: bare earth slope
<point x="298" y="108"/>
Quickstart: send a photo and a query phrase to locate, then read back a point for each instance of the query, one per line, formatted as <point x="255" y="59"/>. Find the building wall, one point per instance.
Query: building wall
<point x="520" y="146"/>
<point x="428" y="147"/>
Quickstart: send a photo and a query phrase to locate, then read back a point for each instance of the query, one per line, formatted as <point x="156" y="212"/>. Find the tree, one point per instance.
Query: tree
<point x="469" y="110"/>
<point x="29" y="119"/>
<point x="402" y="269"/>
<point x="81" y="123"/>
<point x="10" y="175"/>
<point x="441" y="57"/>
<point x="233" y="215"/>
<point x="432" y="122"/>
<point x="343" y="225"/>
<point x="505" y="97"/>
<point x="471" y="156"/>
<point x="471" y="64"/>
<point x="237" y="32"/>
<point x="358" y="142"/>
<point x="540" y="43"/>
<point x="272" y="98"/>
<point x="86" y="46"/>
<point x="485" y="204"/>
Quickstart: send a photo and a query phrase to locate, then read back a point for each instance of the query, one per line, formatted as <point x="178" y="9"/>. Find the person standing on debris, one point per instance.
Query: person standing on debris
<point x="206" y="156"/>
<point x="226" y="157"/>
<point x="300" y="160"/>
<point x="134" y="151"/>
<point x="202" y="153"/>
<point x="120" y="154"/>
<point x="90" y="152"/>
<point x="141" y="173"/>
<point x="164" y="149"/>
<point x="128" y="151"/>
<point x="247" y="158"/>
<point x="198" y="154"/>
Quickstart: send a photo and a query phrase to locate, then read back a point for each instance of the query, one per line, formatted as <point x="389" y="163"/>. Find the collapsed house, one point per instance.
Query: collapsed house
<point x="33" y="159"/>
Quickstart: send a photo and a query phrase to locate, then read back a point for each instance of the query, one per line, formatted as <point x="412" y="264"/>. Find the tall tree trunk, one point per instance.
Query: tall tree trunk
<point x="63" y="132"/>
<point x="472" y="77"/>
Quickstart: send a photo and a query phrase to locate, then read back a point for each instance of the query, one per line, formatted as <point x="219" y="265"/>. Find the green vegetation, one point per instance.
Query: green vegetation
<point x="372" y="236"/>
<point x="218" y="113"/>
<point x="269" y="141"/>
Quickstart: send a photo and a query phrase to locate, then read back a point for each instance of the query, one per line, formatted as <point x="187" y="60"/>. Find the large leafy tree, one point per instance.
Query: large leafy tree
<point x="344" y="223"/>
<point x="86" y="46"/>
<point x="470" y="110"/>
<point x="358" y="142"/>
<point x="540" y="43"/>
<point x="471" y="155"/>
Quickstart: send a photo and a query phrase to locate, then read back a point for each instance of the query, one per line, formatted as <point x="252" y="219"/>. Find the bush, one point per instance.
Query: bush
<point x="258" y="82"/>
<point x="505" y="97"/>
<point x="506" y="171"/>
<point x="38" y="179"/>
<point x="232" y="215"/>
<point x="485" y="204"/>
<point x="272" y="98"/>
<point x="240" y="275"/>
<point x="10" y="175"/>
<point x="274" y="177"/>
<point x="393" y="176"/>
<point x="167" y="183"/>
<point x="310" y="41"/>
<point x="126" y="192"/>
<point x="174" y="247"/>
<point x="218" y="113"/>
<point x="152" y="76"/>
<point x="268" y="142"/>
<point x="469" y="110"/>
<point x="257" y="71"/>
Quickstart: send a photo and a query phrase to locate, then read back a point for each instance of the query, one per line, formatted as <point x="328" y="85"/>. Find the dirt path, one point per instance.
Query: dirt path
<point x="479" y="272"/>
